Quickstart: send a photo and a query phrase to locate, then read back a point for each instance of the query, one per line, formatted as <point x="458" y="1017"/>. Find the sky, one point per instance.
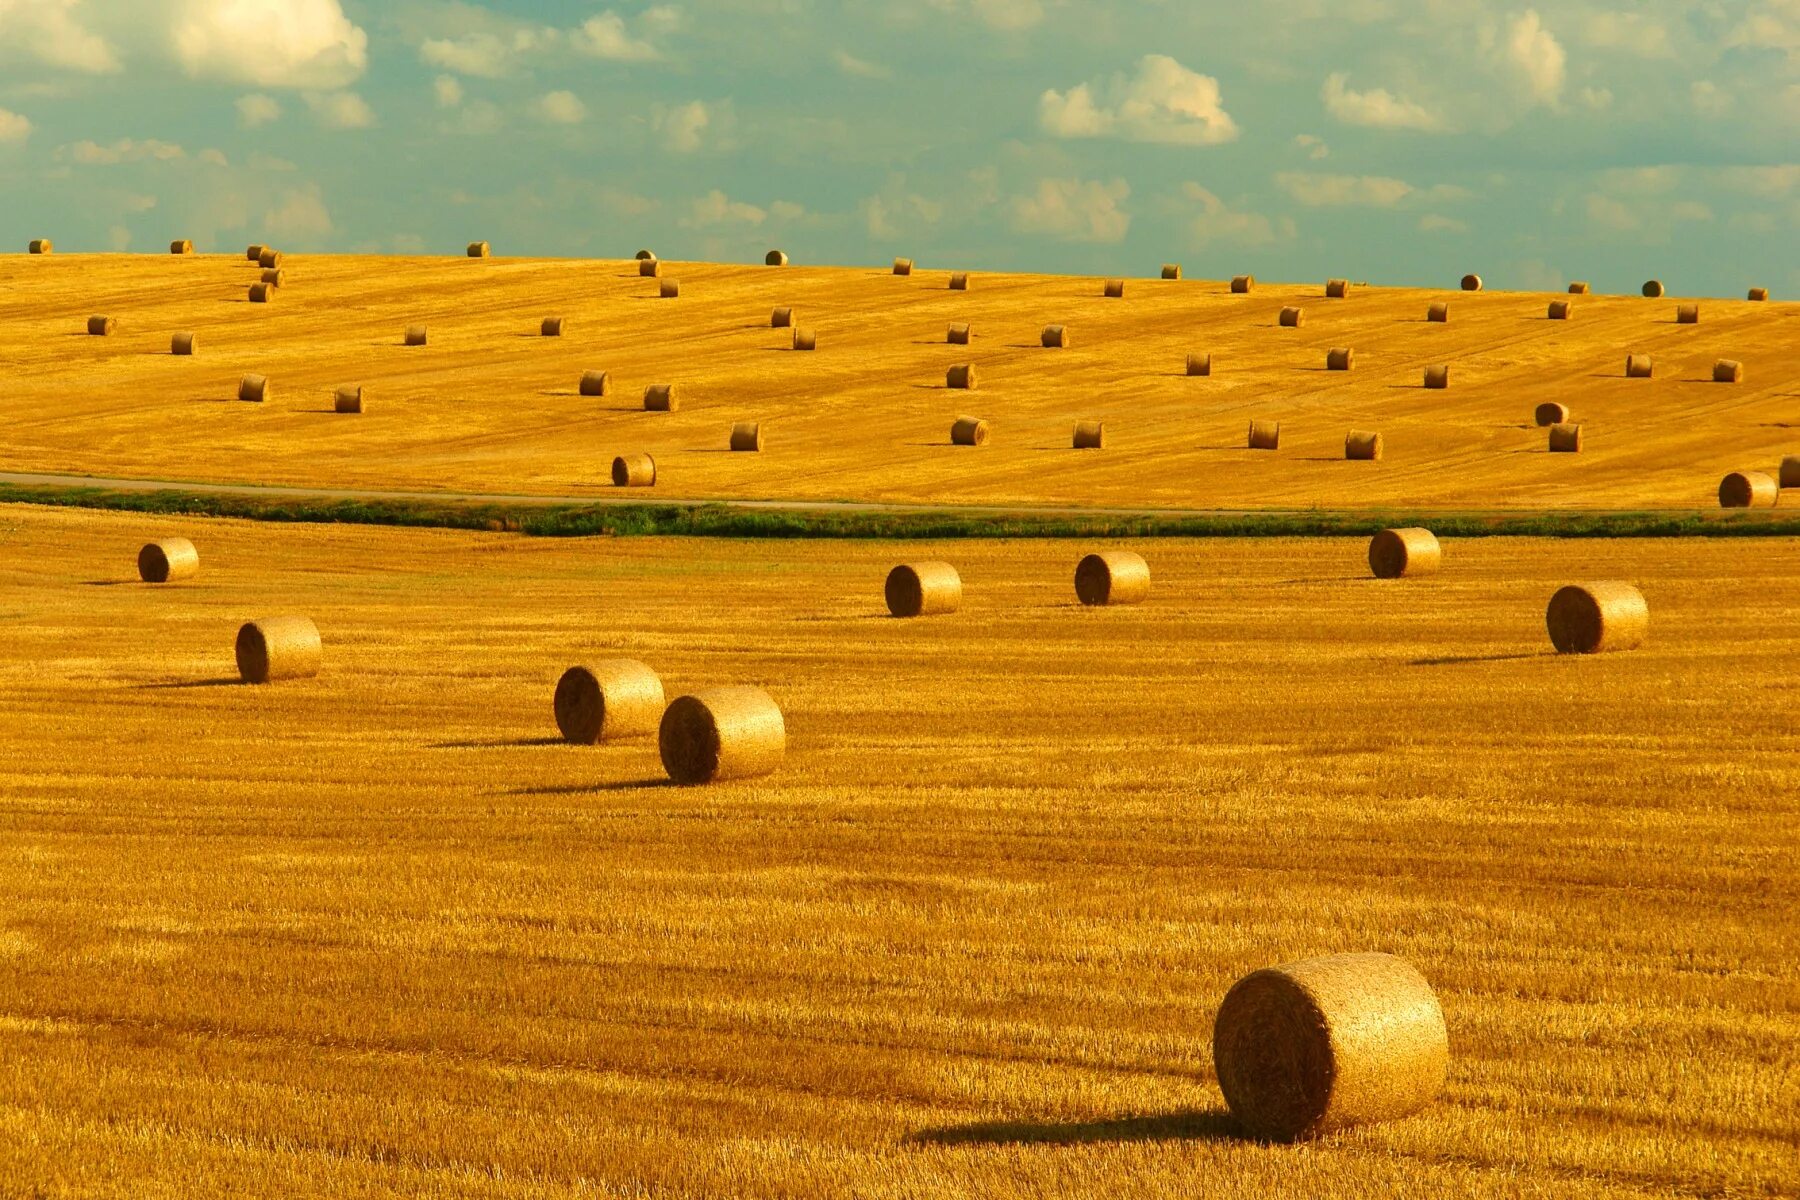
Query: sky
<point x="1387" y="141"/>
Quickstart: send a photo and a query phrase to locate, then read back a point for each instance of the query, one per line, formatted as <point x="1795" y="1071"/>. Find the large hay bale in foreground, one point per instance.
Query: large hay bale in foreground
<point x="1749" y="489"/>
<point x="903" y="266"/>
<point x="669" y="289"/>
<point x="722" y="733"/>
<point x="924" y="589"/>
<point x="1340" y="358"/>
<point x="960" y="377"/>
<point x="102" y="326"/>
<point x="1265" y="435"/>
<point x="1437" y="377"/>
<point x="634" y="470"/>
<point x="262" y="293"/>
<point x="1471" y="283"/>
<point x="1687" y="314"/>
<point x="254" y="389"/>
<point x="614" y="698"/>
<point x="1337" y="289"/>
<point x="275" y="648"/>
<point x="649" y="268"/>
<point x="1653" y="289"/>
<point x="269" y="259"/>
<point x="1728" y="370"/>
<point x="1639" y="366"/>
<point x="417" y="335"/>
<point x="1171" y="271"/>
<point x="969" y="431"/>
<point x="41" y="246"/>
<point x="1561" y="310"/>
<point x="747" y="436"/>
<point x="781" y="318"/>
<point x="1292" y="317"/>
<point x="551" y="327"/>
<point x="1578" y="288"/>
<point x="1594" y="618"/>
<point x="168" y="560"/>
<point x="775" y="258"/>
<point x="1790" y="472"/>
<point x="1362" y="445"/>
<point x="1565" y="438"/>
<point x="274" y="277"/>
<point x="1242" y="285"/>
<point x="1439" y="313"/>
<point x="479" y="250"/>
<point x="184" y="344"/>
<point x="662" y="397"/>
<point x="595" y="383"/>
<point x="1313" y="1046"/>
<point x="181" y="246"/>
<point x="1759" y="294"/>
<point x="959" y="281"/>
<point x="1112" y="577"/>
<point x="1550" y="413"/>
<point x="348" y="399"/>
<point x="1115" y="289"/>
<point x="1055" y="337"/>
<point x="958" y="335"/>
<point x="1090" y="435"/>
<point x="1199" y="365"/>
<point x="805" y="339"/>
<point x="1394" y="553"/>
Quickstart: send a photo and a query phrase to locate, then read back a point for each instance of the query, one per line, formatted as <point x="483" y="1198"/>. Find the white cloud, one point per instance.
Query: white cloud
<point x="340" y="110"/>
<point x="1763" y="181"/>
<point x="1075" y="210"/>
<point x="786" y="210"/>
<point x="716" y="208"/>
<point x="1337" y="191"/>
<point x="1314" y="146"/>
<point x="562" y="108"/>
<point x="1376" y="108"/>
<point x="270" y="43"/>
<point x="482" y="54"/>
<point x="1632" y="32"/>
<point x="683" y="128"/>
<point x="1533" y="58"/>
<point x="498" y="47"/>
<point x="299" y="214"/>
<point x="1708" y="98"/>
<point x="49" y="31"/>
<point x="213" y="158"/>
<point x="1604" y="210"/>
<point x="1217" y="221"/>
<point x="1164" y="102"/>
<point x="1769" y="25"/>
<point x="477" y="118"/>
<point x="1690" y="210"/>
<point x="92" y="154"/>
<point x="13" y="127"/>
<point x="448" y="90"/>
<point x="257" y="110"/>
<point x="896" y="212"/>
<point x="1435" y="223"/>
<point x="849" y="64"/>
<point x="605" y="36"/>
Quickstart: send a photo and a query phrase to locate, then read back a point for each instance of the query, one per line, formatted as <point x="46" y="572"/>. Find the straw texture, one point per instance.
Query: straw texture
<point x="614" y="698"/>
<point x="1439" y="313"/>
<point x="969" y="431"/>
<point x="1265" y="435"/>
<point x="775" y="258"/>
<point x="723" y="733"/>
<point x="1115" y="289"/>
<point x="254" y="253"/>
<point x="1055" y="337"/>
<point x="747" y="436"/>
<point x="1565" y="438"/>
<point x="1199" y="364"/>
<point x="1396" y="553"/>
<point x="1340" y="358"/>
<point x="1561" y="310"/>
<point x="181" y="246"/>
<point x="1337" y="289"/>
<point x="269" y="258"/>
<point x="1749" y="489"/>
<point x="1293" y="318"/>
<point x="958" y="335"/>
<point x="478" y="250"/>
<point x="184" y="344"/>
<point x="1171" y="271"/>
<point x="1790" y="472"/>
<point x="595" y="383"/>
<point x="670" y="289"/>
<point x="1593" y="618"/>
<point x="1362" y="445"/>
<point x="1090" y="435"/>
<point x="254" y="389"/>
<point x="805" y="339"/>
<point x="1687" y="314"/>
<point x="1313" y="1046"/>
<point x="348" y="399"/>
<point x="661" y="397"/>
<point x="1551" y="413"/>
<point x="1437" y="377"/>
<point x="923" y="589"/>
<point x="961" y="377"/>
<point x="649" y="268"/>
<point x="1639" y="366"/>
<point x="277" y="648"/>
<point x="903" y="266"/>
<point x="551" y="327"/>
<point x="417" y="335"/>
<point x="41" y="246"/>
<point x="781" y="318"/>
<point x="273" y="278"/>
<point x="1112" y="577"/>
<point x="1578" y="289"/>
<point x="1471" y="283"/>
<point x="102" y="326"/>
<point x="168" y="560"/>
<point x="1759" y="293"/>
<point x="1242" y="285"/>
<point x="261" y="293"/>
<point x="1653" y="288"/>
<point x="1728" y="371"/>
<point x="634" y="470"/>
<point x="959" y="281"/>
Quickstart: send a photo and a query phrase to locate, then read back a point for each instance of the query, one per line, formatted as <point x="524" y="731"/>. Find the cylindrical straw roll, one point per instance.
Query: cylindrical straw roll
<point x="262" y="293"/>
<point x="1265" y="435"/>
<point x="102" y="326"/>
<point x="254" y="253"/>
<point x="634" y="470"/>
<point x="958" y="335"/>
<point x="669" y="289"/>
<point x="1054" y="337"/>
<point x="41" y="246"/>
<point x="641" y="255"/>
<point x="269" y="258"/>
<point x="1749" y="489"/>
<point x="1199" y="365"/>
<point x="1561" y="310"/>
<point x="1292" y="317"/>
<point x="903" y="266"/>
<point x="1639" y="366"/>
<point x="1340" y="358"/>
<point x="1115" y="289"/>
<point x="1578" y="289"/>
<point x="1171" y="271"/>
<point x="1337" y="289"/>
<point x="1596" y="617"/>
<point x="181" y="246"/>
<point x="1790" y="472"/>
<point x="274" y="278"/>
<point x="551" y="327"/>
<point x="1653" y="289"/>
<point x="1313" y="1046"/>
<point x="1090" y="435"/>
<point x="1728" y="371"/>
<point x="961" y="377"/>
<point x="959" y="281"/>
<point x="595" y="383"/>
<point x="167" y="560"/>
<point x="1438" y="313"/>
<point x="805" y="339"/>
<point x="184" y="344"/>
<point x="1241" y="285"/>
<point x="923" y="589"/>
<point x="348" y="399"/>
<point x="1759" y="294"/>
<point x="1362" y="445"/>
<point x="1112" y="577"/>
<point x="1394" y="553"/>
<point x="279" y="648"/>
<point x="1471" y="283"/>
<point x="1687" y="314"/>
<point x="254" y="389"/>
<point x="478" y="250"/>
<point x="1437" y="377"/>
<point x="662" y="397"/>
<point x="649" y="268"/>
<point x="781" y="318"/>
<point x="417" y="335"/>
<point x="969" y="431"/>
<point x="747" y="436"/>
<point x="775" y="258"/>
<point x="1565" y="438"/>
<point x="615" y="698"/>
<point x="722" y="733"/>
<point x="1551" y="413"/>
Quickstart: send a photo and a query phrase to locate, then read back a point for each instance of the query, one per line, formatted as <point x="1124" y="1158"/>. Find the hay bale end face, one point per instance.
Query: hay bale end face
<point x="670" y="289"/>
<point x="960" y="377"/>
<point x="959" y="281"/>
<point x="1759" y="294"/>
<point x="254" y="389"/>
<point x="958" y="335"/>
<point x="662" y="397"/>
<point x="273" y="278"/>
<point x="719" y="734"/>
<point x="1362" y="445"/>
<point x="1115" y="289"/>
<point x="1790" y="472"/>
<point x="41" y="246"/>
<point x="1265" y="435"/>
<point x="1055" y="337"/>
<point x="903" y="266"/>
<point x="1565" y="438"/>
<point x="1471" y="283"/>
<point x="1090" y="435"/>
<point x="1439" y="313"/>
<point x="1561" y="310"/>
<point x="1749" y="489"/>
<point x="969" y="431"/>
<point x="747" y="436"/>
<point x="1397" y="553"/>
<point x="1594" y="618"/>
<point x="641" y="255"/>
<point x="924" y="589"/>
<point x="805" y="339"/>
<point x="551" y="327"/>
<point x="1550" y="413"/>
<point x="634" y="470"/>
<point x="1199" y="365"/>
<point x="262" y="293"/>
<point x="595" y="383"/>
<point x="1437" y="377"/>
<point x="181" y="246"/>
<point x="1728" y="371"/>
<point x="649" y="268"/>
<point x="417" y="335"/>
<point x="276" y="648"/>
<point x="775" y="258"/>
<point x="1639" y="366"/>
<point x="184" y="344"/>
<point x="615" y="698"/>
<point x="269" y="259"/>
<point x="1653" y="289"/>
<point x="1687" y="314"/>
<point x="1578" y="289"/>
<point x="1337" y="289"/>
<point x="348" y="399"/>
<point x="1242" y="285"/>
<point x="479" y="250"/>
<point x="1171" y="271"/>
<point x="781" y="318"/>
<point x="168" y="560"/>
<point x="1340" y="358"/>
<point x="1313" y="1046"/>
<point x="1112" y="577"/>
<point x="1293" y="318"/>
<point x="102" y="326"/>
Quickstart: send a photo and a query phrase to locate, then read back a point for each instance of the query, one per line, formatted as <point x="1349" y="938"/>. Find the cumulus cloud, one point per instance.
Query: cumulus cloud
<point x="1610" y="213"/>
<point x="1164" y="102"/>
<point x="270" y="43"/>
<point x="299" y="214"/>
<point x="1436" y="223"/>
<point x="257" y="109"/>
<point x="1376" y="108"/>
<point x="683" y="128"/>
<point x="448" y="90"/>
<point x="849" y="64"/>
<point x="1075" y="210"/>
<point x="340" y="110"/>
<point x="1532" y="58"/>
<point x="1769" y="25"/>
<point x="1631" y="32"/>
<point x="1338" y="191"/>
<point x="1314" y="146"/>
<point x="13" y="127"/>
<point x="605" y="36"/>
<point x="896" y="211"/>
<point x="562" y="108"/>
<point x="1709" y="99"/>
<point x="213" y="157"/>
<point x="1210" y="219"/>
<point x="52" y="32"/>
<point x="125" y="150"/>
<point x="716" y="208"/>
<point x="499" y="48"/>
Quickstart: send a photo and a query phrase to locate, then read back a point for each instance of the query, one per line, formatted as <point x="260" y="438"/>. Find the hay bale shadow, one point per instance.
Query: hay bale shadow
<point x="1212" y="1125"/>
<point x="499" y="743"/>
<point x="186" y="684"/>
<point x="1454" y="659"/>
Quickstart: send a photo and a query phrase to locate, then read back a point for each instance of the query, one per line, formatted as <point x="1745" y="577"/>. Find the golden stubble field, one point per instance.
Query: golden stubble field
<point x="377" y="933"/>
<point x="490" y="406"/>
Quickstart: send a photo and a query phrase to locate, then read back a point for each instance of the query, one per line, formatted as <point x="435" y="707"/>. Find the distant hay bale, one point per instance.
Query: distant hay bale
<point x="1790" y="472"/>
<point x="1594" y="618"/>
<point x="1340" y="358"/>
<point x="1653" y="289"/>
<point x="273" y="277"/>
<point x="1361" y="445"/>
<point x="1055" y="337"/>
<point x="1759" y="293"/>
<point x="254" y="253"/>
<point x="722" y="733"/>
<point x="1241" y="285"/>
<point x="102" y="326"/>
<point x="924" y="589"/>
<point x="1199" y="365"/>
<point x="1439" y="313"/>
<point x="960" y="377"/>
<point x="669" y="289"/>
<point x="1471" y="283"/>
<point x="1578" y="289"/>
<point x="903" y="266"/>
<point x="1749" y="489"/>
<point x="958" y="335"/>
<point x="1112" y="577"/>
<point x="634" y="470"/>
<point x="276" y="648"/>
<point x="1561" y="310"/>
<point x="269" y="258"/>
<point x="662" y="397"/>
<point x="781" y="318"/>
<point x="775" y="258"/>
<point x="1394" y="553"/>
<point x="613" y="698"/>
<point x="181" y="246"/>
<point x="1171" y="271"/>
<point x="417" y="335"/>
<point x="1337" y="289"/>
<point x="969" y="431"/>
<point x="348" y="399"/>
<point x="1437" y="377"/>
<point x="255" y="389"/>
<point x="262" y="293"/>
<point x="1090" y="435"/>
<point x="1293" y="318"/>
<point x="1728" y="370"/>
<point x="168" y="560"/>
<point x="551" y="327"/>
<point x="1115" y="289"/>
<point x="1565" y="438"/>
<point x="41" y="246"/>
<point x="959" y="281"/>
<point x="1550" y="413"/>
<point x="649" y="268"/>
<point x="1265" y="435"/>
<point x="1310" y="1047"/>
<point x="595" y="383"/>
<point x="747" y="436"/>
<point x="1687" y="314"/>
<point x="184" y="344"/>
<point x="479" y="250"/>
<point x="805" y="339"/>
<point x="642" y="255"/>
<point x="1639" y="366"/>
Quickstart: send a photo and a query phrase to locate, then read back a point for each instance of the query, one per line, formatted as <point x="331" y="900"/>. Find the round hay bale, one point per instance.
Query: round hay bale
<point x="805" y="339"/>
<point x="184" y="344"/>
<point x="1362" y="445"/>
<point x="722" y="733"/>
<point x="254" y="253"/>
<point x="1561" y="310"/>
<point x="348" y="399"/>
<point x="662" y="397"/>
<point x="1310" y="1047"/>
<point x="1171" y="271"/>
<point x="1090" y="435"/>
<point x="41" y="246"/>
<point x="903" y="266"/>
<point x="1055" y="337"/>
<point x="747" y="436"/>
<point x="1749" y="489"/>
<point x="1471" y="283"/>
<point x="1565" y="438"/>
<point x="269" y="259"/>
<point x="615" y="698"/>
<point x="1550" y="413"/>
<point x="1790" y="472"/>
<point x="102" y="326"/>
<point x="1759" y="293"/>
<point x="924" y="589"/>
<point x="1653" y="289"/>
<point x="551" y="326"/>
<point x="641" y="255"/>
<point x="1728" y="370"/>
<point x="1395" y="553"/>
<point x="417" y="335"/>
<point x="1687" y="314"/>
<point x="261" y="293"/>
<point x="1112" y="577"/>
<point x="781" y="318"/>
<point x="1265" y="435"/>
<point x="1199" y="365"/>
<point x="1578" y="289"/>
<point x="1639" y="366"/>
<point x="1293" y="318"/>
<point x="969" y="431"/>
<point x="1439" y="313"/>
<point x="595" y="383"/>
<point x="1593" y="618"/>
<point x="1241" y="285"/>
<point x="1340" y="358"/>
<point x="279" y="648"/>
<point x="775" y="258"/>
<point x="634" y="470"/>
<point x="649" y="268"/>
<point x="961" y="377"/>
<point x="959" y="281"/>
<point x="1437" y="377"/>
<point x="479" y="250"/>
<point x="273" y="277"/>
<point x="1337" y="289"/>
<point x="958" y="335"/>
<point x="181" y="246"/>
<point x="168" y="560"/>
<point x="670" y="289"/>
<point x="1115" y="289"/>
<point x="254" y="389"/>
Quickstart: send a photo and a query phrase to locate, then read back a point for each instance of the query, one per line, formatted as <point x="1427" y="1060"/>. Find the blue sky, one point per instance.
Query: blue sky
<point x="1397" y="141"/>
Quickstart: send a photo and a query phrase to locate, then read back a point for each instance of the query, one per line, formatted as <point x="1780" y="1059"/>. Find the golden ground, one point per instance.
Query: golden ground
<point x="491" y="406"/>
<point x="375" y="933"/>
